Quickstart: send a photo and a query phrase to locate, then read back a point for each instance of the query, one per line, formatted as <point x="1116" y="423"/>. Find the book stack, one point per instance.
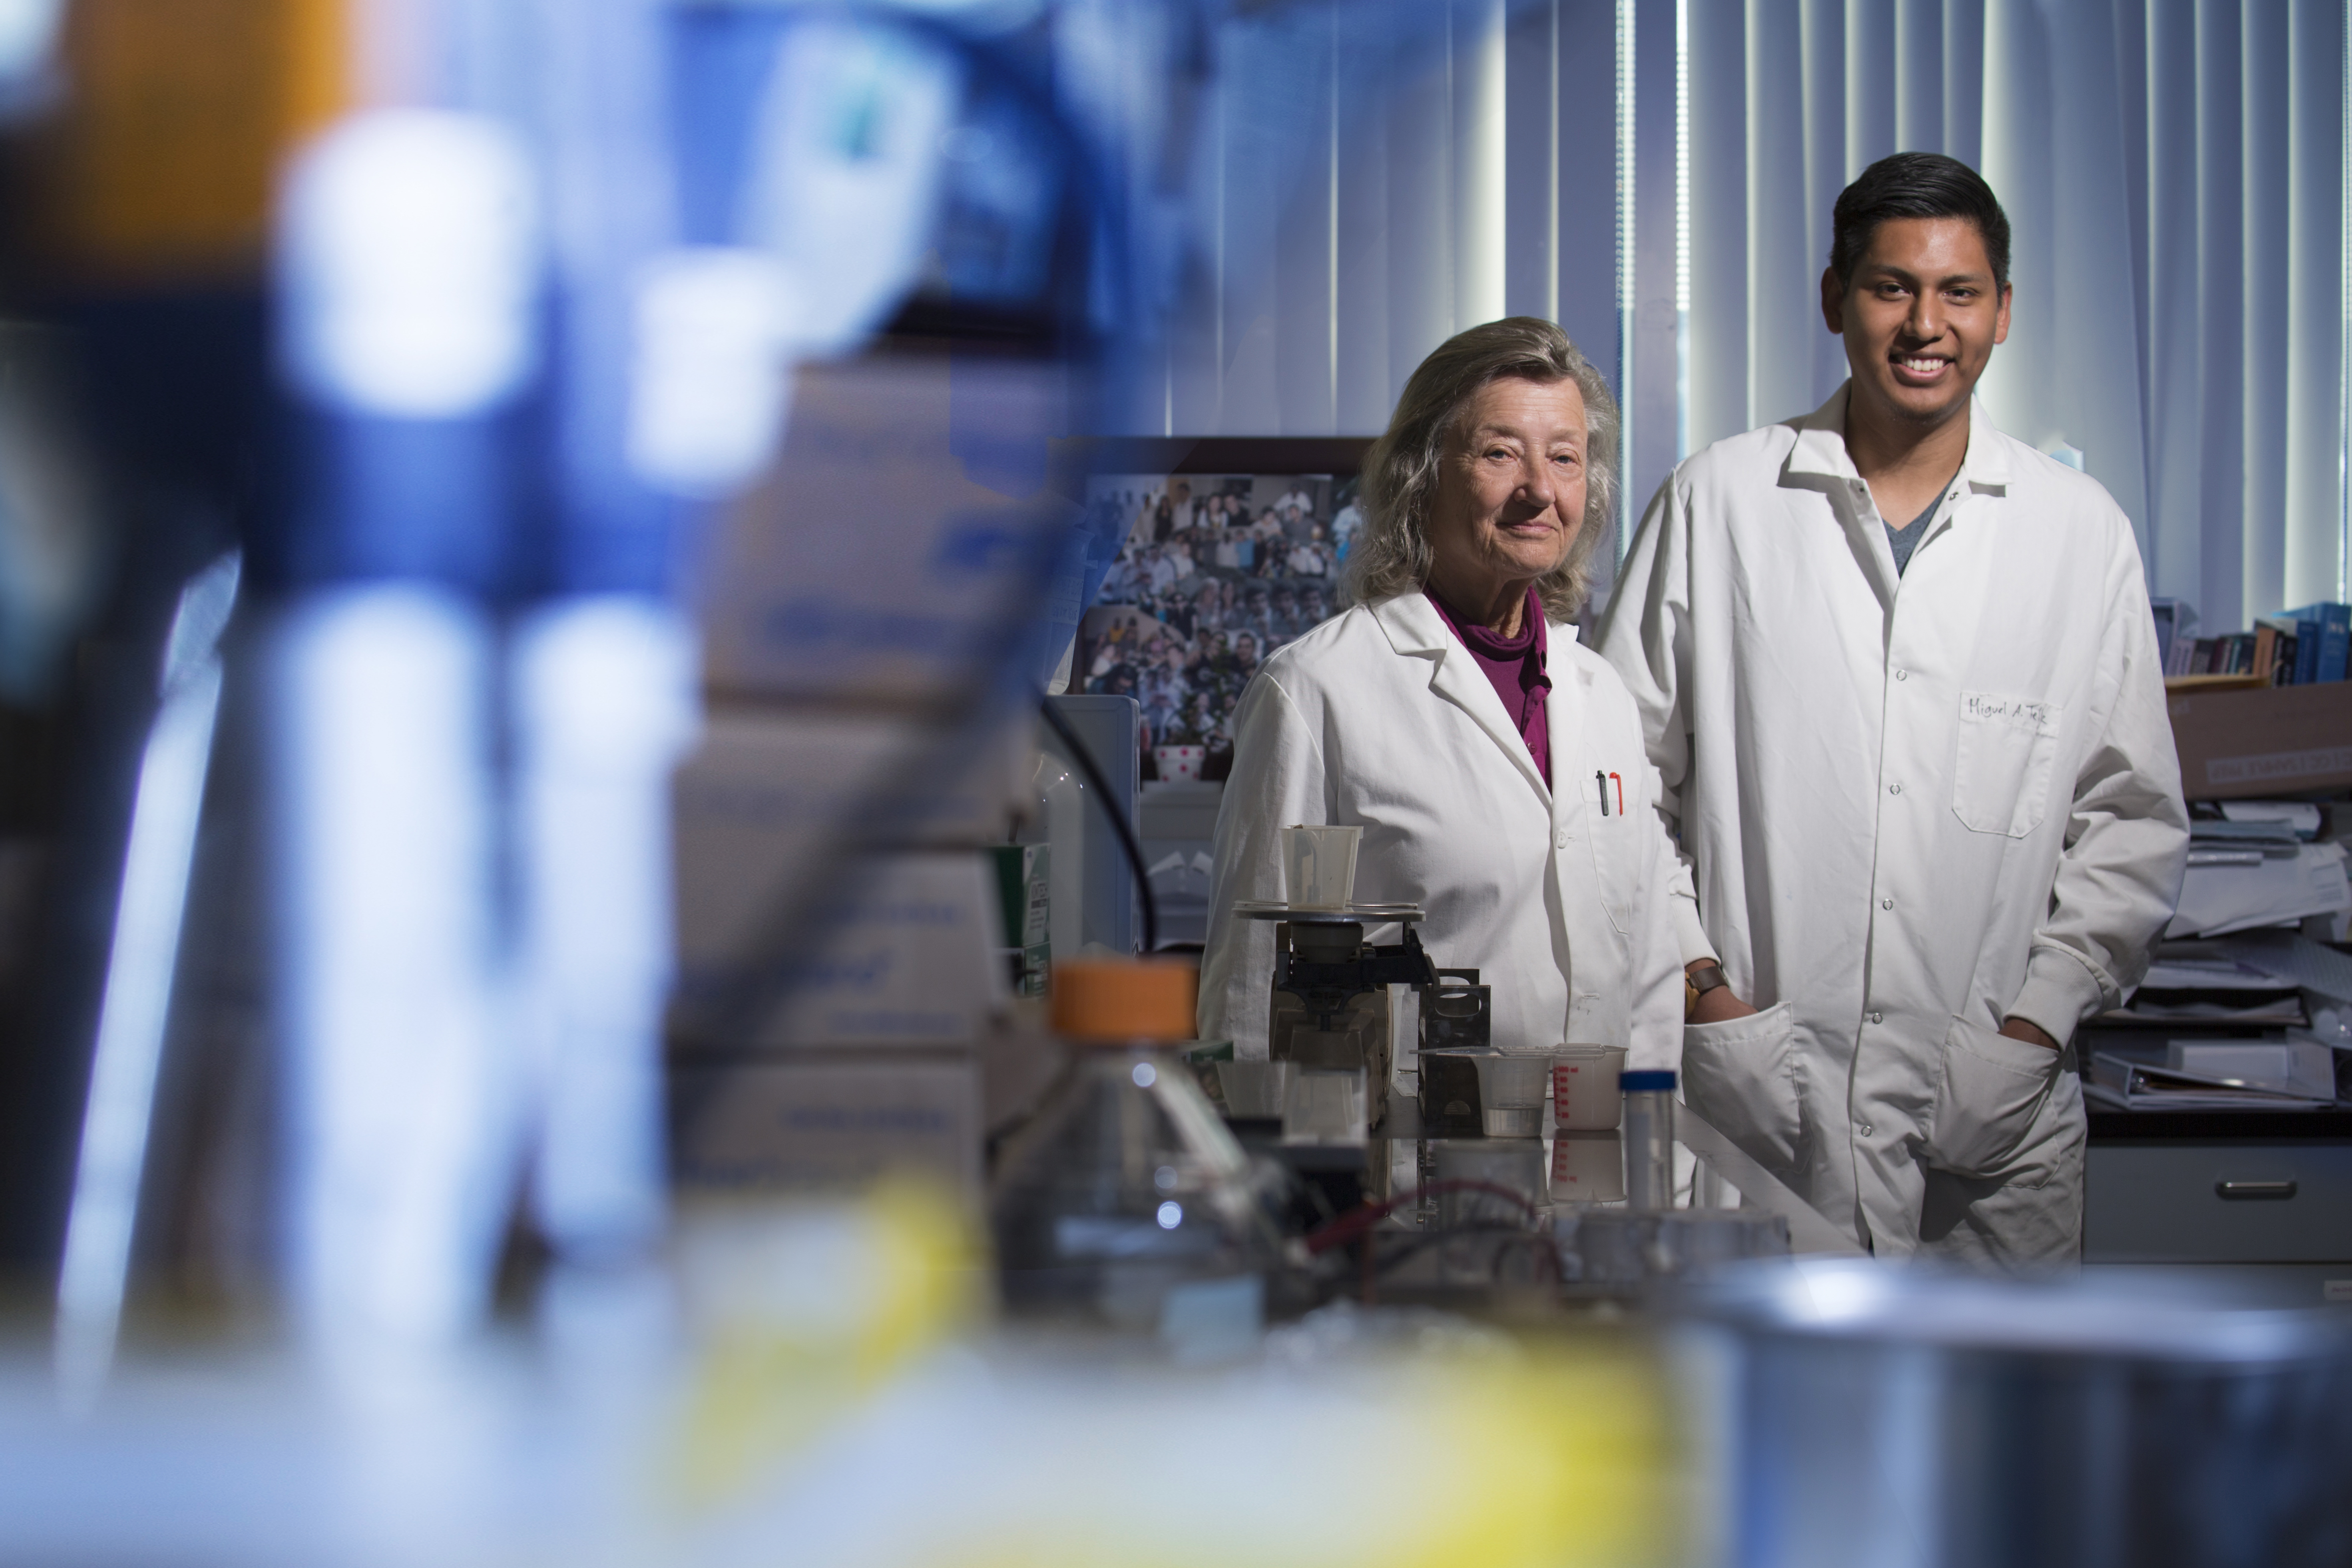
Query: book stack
<point x="2294" y="647"/>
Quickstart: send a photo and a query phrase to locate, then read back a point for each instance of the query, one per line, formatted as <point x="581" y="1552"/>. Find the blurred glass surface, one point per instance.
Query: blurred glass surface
<point x="1125" y="1203"/>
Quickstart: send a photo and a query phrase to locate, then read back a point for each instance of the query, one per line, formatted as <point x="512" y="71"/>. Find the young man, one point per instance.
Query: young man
<point x="1897" y="671"/>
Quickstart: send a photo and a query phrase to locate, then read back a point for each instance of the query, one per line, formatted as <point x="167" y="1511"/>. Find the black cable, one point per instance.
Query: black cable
<point x="1126" y="830"/>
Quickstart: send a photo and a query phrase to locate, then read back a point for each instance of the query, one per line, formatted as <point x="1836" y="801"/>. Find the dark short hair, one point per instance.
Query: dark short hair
<point x="1916" y="185"/>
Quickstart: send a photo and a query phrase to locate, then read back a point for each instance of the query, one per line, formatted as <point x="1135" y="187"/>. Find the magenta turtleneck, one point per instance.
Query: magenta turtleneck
<point x="1517" y="668"/>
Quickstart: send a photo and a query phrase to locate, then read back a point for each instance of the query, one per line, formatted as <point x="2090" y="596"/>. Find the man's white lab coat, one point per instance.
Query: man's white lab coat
<point x="1915" y="806"/>
<point x="1381" y="717"/>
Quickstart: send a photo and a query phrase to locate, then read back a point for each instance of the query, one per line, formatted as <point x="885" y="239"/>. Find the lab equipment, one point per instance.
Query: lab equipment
<point x="1469" y="1091"/>
<point x="1318" y="866"/>
<point x="1649" y="1139"/>
<point x="1330" y="1005"/>
<point x="1585" y="1096"/>
<point x="1588" y="1167"/>
<point x="2200" y="1429"/>
<point x="1124" y="1202"/>
<point x="1324" y="1105"/>
<point x="1459" y="1011"/>
<point x="1094" y="888"/>
<point x="1475" y="1176"/>
<point x="1254" y="1090"/>
<point x="1622" y="1248"/>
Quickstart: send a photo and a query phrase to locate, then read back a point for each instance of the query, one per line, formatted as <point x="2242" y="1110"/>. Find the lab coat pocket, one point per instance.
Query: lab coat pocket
<point x="1991" y="1088"/>
<point x="1741" y="1078"/>
<point x="2001" y="772"/>
<point x="1616" y="850"/>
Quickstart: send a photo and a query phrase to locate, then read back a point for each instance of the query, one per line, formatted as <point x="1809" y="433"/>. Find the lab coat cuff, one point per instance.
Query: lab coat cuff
<point x="1690" y="933"/>
<point x="2059" y="992"/>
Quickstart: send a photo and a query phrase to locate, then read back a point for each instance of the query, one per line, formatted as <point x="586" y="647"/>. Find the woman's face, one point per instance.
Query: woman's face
<point x="1510" y="488"/>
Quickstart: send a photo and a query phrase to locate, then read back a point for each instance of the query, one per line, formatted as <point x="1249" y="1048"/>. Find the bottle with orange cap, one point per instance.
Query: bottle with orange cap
<point x="1124" y="1202"/>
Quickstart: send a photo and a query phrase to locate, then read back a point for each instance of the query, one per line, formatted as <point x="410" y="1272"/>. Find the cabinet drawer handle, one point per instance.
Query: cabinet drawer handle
<point x="2253" y="1189"/>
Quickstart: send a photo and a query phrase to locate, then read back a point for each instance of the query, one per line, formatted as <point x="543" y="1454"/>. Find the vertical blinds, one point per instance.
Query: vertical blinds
<point x="2174" y="175"/>
<point x="1372" y="177"/>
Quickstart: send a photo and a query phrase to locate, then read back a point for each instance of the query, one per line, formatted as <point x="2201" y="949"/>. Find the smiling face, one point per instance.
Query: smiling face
<point x="1510" y="489"/>
<point x="1920" y="316"/>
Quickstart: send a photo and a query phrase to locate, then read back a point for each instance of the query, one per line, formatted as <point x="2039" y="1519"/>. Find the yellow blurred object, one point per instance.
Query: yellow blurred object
<point x="1115" y="1001"/>
<point x="805" y="1310"/>
<point x="159" y="161"/>
<point x="1562" y="1458"/>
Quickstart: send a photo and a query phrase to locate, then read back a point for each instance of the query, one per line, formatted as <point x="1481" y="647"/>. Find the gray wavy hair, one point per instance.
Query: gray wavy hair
<point x="1400" y="472"/>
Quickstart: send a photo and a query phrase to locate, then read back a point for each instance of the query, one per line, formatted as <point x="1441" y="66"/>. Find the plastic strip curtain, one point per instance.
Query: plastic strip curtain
<point x="2174" y="174"/>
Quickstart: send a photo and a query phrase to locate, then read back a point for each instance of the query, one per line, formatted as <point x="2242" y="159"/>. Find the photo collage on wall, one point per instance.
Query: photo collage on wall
<point x="1218" y="571"/>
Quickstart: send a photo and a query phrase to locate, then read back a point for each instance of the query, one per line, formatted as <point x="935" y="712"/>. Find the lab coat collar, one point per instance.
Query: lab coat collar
<point x="1416" y="630"/>
<point x="1820" y="450"/>
<point x="1414" y="627"/>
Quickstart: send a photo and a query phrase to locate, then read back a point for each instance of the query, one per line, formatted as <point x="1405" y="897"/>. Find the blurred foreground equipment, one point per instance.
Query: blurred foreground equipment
<point x="1870" y="1414"/>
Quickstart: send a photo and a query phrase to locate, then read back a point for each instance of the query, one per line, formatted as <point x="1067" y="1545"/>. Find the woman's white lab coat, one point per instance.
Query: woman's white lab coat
<point x="1380" y="717"/>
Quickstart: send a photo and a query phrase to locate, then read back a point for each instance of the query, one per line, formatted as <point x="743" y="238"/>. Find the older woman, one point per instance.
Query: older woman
<point x="1495" y="766"/>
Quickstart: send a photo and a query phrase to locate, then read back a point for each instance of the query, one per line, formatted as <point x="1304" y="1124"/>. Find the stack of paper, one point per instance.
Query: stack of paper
<point x="2226" y="980"/>
<point x="2255" y="863"/>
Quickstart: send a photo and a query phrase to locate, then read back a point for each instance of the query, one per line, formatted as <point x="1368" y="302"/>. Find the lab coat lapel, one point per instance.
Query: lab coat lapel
<point x="1819" y="462"/>
<point x="1564" y="710"/>
<point x="1416" y="631"/>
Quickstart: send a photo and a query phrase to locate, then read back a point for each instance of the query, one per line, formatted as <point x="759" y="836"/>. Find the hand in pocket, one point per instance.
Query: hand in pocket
<point x="1740" y="1078"/>
<point x="1991" y="1088"/>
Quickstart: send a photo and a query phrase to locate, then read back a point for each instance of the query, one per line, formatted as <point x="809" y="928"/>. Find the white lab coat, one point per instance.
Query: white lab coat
<point x="1915" y="807"/>
<point x="1381" y="717"/>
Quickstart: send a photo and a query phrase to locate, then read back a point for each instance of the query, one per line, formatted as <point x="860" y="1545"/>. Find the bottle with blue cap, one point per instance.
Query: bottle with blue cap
<point x="1649" y="1138"/>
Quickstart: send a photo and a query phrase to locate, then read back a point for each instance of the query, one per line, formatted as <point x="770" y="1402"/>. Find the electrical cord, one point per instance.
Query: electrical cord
<point x="1357" y="1221"/>
<point x="1401" y="1249"/>
<point x="1084" y="759"/>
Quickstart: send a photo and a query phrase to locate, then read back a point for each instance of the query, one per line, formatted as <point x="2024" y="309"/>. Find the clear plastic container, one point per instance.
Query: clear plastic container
<point x="1318" y="866"/>
<point x="1649" y="1139"/>
<point x="1124" y="1202"/>
<point x="1584" y="1087"/>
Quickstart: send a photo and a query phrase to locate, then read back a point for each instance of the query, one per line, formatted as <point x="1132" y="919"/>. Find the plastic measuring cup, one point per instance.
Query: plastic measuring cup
<point x="1584" y="1093"/>
<point x="1318" y="866"/>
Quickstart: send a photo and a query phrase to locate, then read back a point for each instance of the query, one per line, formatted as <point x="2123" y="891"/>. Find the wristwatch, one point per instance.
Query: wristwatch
<point x="1697" y="982"/>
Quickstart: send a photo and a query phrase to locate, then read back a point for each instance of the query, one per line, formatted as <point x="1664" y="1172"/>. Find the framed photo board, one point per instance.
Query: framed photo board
<point x="1233" y="547"/>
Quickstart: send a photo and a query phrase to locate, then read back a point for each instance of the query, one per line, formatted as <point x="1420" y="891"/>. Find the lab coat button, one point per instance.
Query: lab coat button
<point x="1560" y="840"/>
<point x="1862" y="1128"/>
<point x="1887" y="903"/>
<point x="1894" y="789"/>
<point x="1878" y="1017"/>
<point x="1902" y="675"/>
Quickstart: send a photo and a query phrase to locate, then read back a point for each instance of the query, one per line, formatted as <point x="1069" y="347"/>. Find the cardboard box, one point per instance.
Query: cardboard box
<point x="769" y="809"/>
<point x="904" y="951"/>
<point x="824" y="1124"/>
<point x="2284" y="741"/>
<point x="903" y="541"/>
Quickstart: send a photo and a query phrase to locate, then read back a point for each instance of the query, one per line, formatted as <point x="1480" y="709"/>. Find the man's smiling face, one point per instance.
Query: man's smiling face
<point x="1920" y="316"/>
